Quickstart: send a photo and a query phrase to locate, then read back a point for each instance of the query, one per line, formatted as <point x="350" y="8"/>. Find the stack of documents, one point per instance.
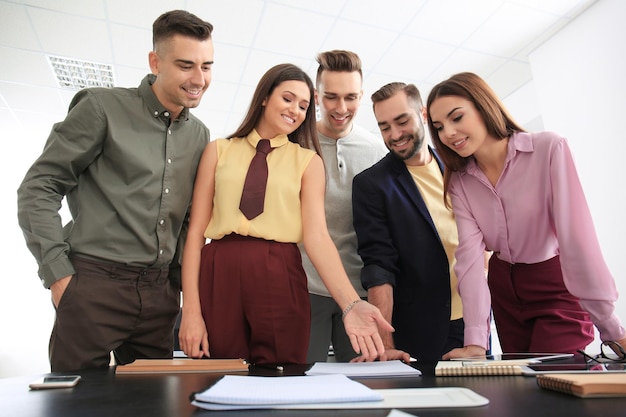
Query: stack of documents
<point x="247" y="392"/>
<point x="364" y="369"/>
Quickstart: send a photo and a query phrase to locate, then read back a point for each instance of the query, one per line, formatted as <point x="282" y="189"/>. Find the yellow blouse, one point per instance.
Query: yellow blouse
<point x="281" y="219"/>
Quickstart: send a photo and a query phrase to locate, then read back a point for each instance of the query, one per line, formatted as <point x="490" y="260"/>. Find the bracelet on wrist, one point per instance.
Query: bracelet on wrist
<point x="349" y="307"/>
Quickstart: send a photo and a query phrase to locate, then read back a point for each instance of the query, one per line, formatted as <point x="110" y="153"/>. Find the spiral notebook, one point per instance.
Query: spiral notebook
<point x="585" y="385"/>
<point x="458" y="368"/>
<point x="503" y="364"/>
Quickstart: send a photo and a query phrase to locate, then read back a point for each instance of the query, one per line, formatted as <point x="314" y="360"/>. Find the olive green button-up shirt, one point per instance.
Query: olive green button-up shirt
<point x="127" y="172"/>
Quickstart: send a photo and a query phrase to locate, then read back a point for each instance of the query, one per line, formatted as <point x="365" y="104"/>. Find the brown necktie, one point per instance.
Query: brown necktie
<point x="253" y="195"/>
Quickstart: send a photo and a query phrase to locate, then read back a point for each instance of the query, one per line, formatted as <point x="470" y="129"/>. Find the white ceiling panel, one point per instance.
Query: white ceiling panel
<point x="557" y="24"/>
<point x="411" y="58"/>
<point x="128" y="45"/>
<point x="130" y="76"/>
<point x="260" y="61"/>
<point x="368" y="44"/>
<point x="139" y="13"/>
<point x="447" y="20"/>
<point x="330" y="7"/>
<point x="72" y="36"/>
<point x="291" y="32"/>
<point x="390" y="14"/>
<point x="464" y="60"/>
<point x="230" y="63"/>
<point x="234" y="22"/>
<point x="90" y="8"/>
<point x="568" y="8"/>
<point x="16" y="30"/>
<point x="509" y="29"/>
<point x="510" y="77"/>
<point x="418" y="41"/>
<point x="20" y="97"/>
<point x="32" y="70"/>
<point x="10" y="121"/>
<point x="40" y="120"/>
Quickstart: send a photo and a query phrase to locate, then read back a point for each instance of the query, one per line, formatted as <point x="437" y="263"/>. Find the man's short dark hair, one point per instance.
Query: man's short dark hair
<point x="180" y="22"/>
<point x="338" y="61"/>
<point x="388" y="90"/>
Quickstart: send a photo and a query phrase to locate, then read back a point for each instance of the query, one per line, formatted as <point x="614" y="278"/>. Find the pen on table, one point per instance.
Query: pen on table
<point x="528" y="361"/>
<point x="498" y="363"/>
<point x="549" y="358"/>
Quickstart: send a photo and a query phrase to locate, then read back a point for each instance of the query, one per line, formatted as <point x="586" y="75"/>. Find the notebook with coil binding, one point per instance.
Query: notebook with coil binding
<point x="585" y="385"/>
<point x="458" y="368"/>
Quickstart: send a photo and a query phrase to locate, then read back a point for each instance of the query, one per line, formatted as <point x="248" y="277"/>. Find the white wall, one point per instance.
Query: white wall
<point x="580" y="79"/>
<point x="26" y="312"/>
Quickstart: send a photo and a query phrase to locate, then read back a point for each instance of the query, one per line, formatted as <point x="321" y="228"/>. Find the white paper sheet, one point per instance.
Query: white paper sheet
<point x="239" y="390"/>
<point x="406" y="398"/>
<point x="399" y="413"/>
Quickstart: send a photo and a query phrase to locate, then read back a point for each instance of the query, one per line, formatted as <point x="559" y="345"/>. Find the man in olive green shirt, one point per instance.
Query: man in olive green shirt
<point x="126" y="160"/>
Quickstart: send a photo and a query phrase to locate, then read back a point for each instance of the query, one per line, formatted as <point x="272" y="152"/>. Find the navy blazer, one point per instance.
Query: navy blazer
<point x="400" y="245"/>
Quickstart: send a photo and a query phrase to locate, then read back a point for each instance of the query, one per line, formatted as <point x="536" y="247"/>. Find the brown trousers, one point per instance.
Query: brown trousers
<point x="255" y="301"/>
<point x="130" y="311"/>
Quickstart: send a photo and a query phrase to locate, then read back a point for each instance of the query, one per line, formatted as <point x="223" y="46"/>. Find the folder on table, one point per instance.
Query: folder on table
<point x="148" y="366"/>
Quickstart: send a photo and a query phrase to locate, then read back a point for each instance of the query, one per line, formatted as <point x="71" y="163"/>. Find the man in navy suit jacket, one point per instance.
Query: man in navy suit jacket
<point x="406" y="235"/>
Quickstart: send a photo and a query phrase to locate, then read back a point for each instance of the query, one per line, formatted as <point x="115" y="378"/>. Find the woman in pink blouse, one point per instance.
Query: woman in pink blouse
<point x="518" y="194"/>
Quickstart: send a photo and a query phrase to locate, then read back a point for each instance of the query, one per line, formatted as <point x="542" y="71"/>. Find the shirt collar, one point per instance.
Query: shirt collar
<point x="154" y="105"/>
<point x="521" y="141"/>
<point x="254" y="138"/>
<point x="518" y="142"/>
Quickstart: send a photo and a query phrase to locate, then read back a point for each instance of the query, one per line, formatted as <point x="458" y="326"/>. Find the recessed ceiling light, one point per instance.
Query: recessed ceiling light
<point x="75" y="74"/>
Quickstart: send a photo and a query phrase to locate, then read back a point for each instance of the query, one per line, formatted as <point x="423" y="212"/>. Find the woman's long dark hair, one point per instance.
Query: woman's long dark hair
<point x="497" y="119"/>
<point x="306" y="134"/>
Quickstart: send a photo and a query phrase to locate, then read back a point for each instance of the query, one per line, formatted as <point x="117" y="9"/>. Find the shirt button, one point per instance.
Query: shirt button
<point x="167" y="191"/>
<point x="169" y="131"/>
<point x="169" y="160"/>
<point x="160" y="251"/>
<point x="161" y="222"/>
<point x="166" y="114"/>
<point x="156" y="113"/>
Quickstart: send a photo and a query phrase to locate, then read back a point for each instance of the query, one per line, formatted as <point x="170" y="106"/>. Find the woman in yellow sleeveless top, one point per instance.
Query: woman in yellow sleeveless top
<point x="245" y="292"/>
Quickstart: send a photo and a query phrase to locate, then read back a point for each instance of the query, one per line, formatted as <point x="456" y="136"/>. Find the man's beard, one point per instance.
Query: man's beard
<point x="416" y="145"/>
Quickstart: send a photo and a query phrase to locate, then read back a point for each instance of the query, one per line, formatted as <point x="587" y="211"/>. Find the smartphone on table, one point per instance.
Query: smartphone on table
<point x="55" y="381"/>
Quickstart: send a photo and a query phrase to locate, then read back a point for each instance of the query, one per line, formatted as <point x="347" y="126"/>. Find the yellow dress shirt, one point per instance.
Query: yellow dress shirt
<point x="429" y="180"/>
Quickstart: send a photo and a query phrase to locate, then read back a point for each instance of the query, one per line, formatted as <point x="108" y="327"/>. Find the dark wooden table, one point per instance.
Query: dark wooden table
<point x="102" y="393"/>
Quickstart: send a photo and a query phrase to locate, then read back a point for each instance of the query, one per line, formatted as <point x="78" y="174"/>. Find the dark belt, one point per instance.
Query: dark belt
<point x="235" y="237"/>
<point x="121" y="271"/>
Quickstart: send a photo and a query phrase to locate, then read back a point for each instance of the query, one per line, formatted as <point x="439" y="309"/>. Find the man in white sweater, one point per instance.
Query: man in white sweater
<point x="347" y="150"/>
